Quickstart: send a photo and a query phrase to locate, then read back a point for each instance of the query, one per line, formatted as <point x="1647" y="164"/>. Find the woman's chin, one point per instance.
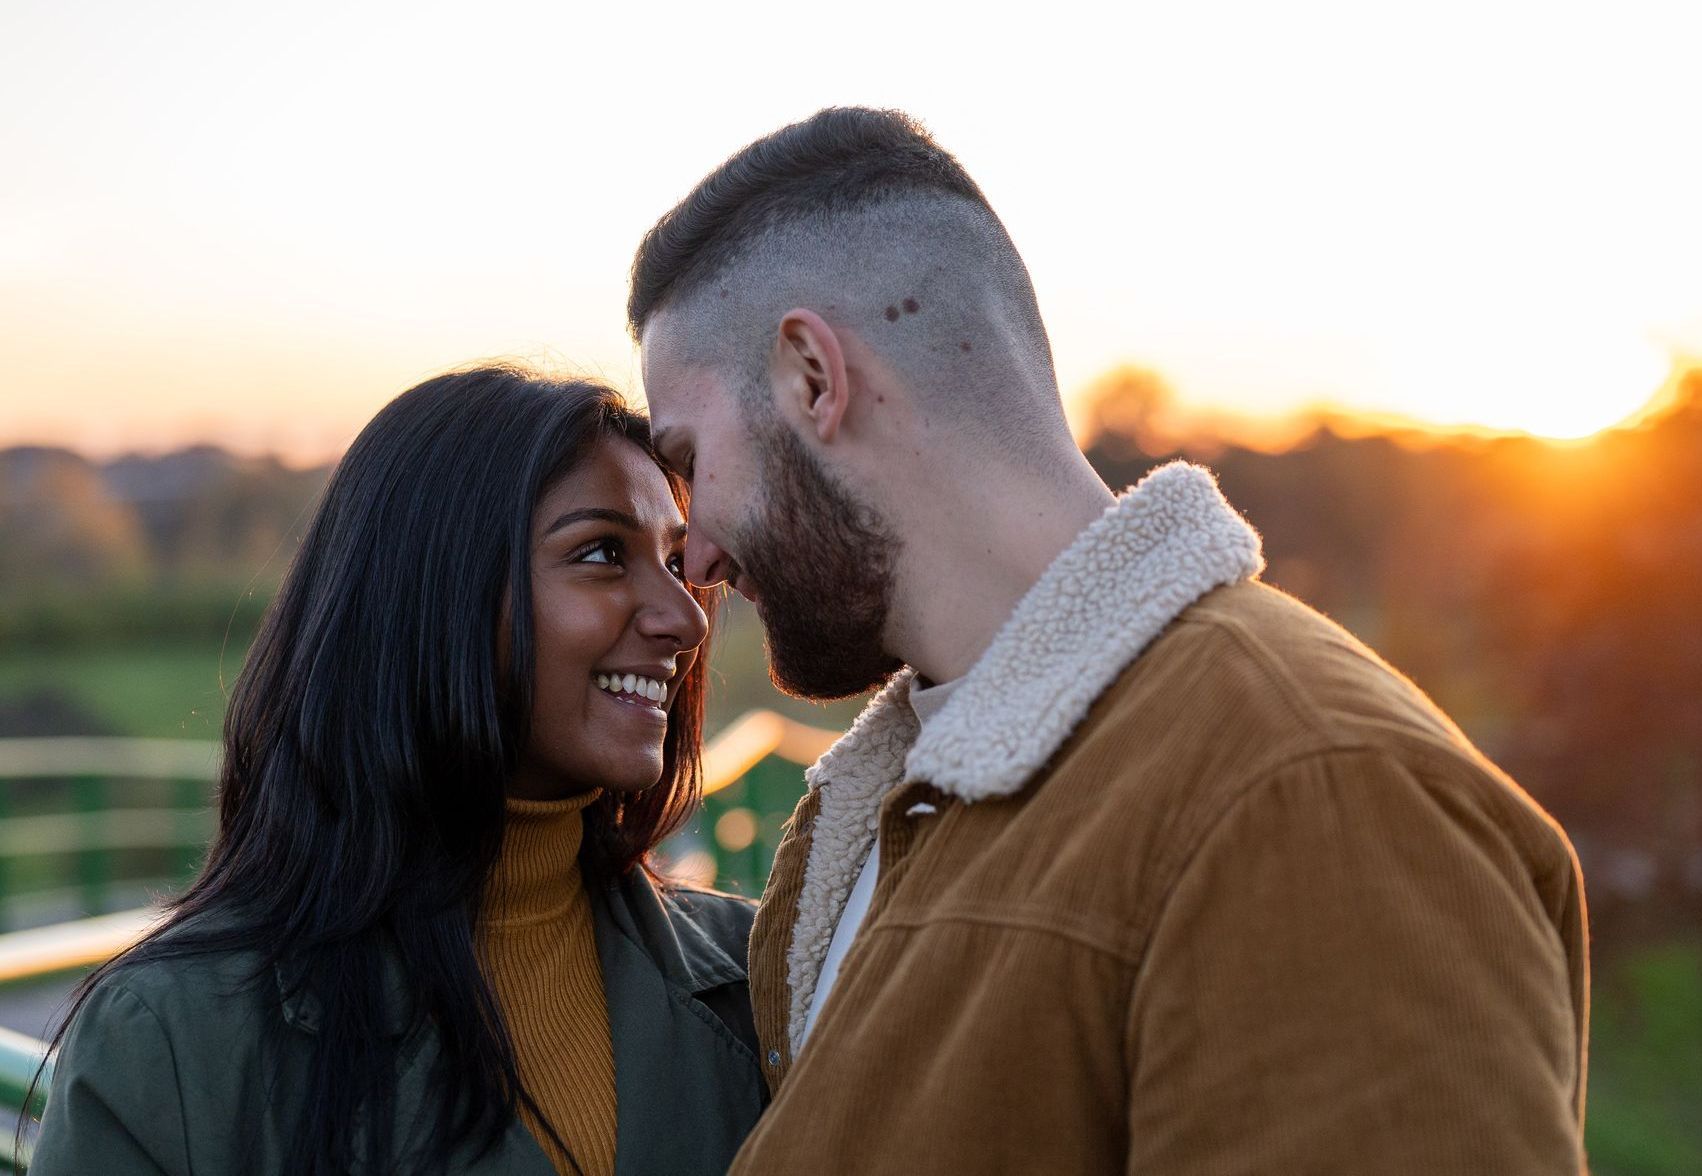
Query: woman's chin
<point x="642" y="773"/>
<point x="571" y="771"/>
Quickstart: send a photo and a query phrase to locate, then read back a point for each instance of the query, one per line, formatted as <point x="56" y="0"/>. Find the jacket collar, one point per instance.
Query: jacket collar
<point x="300" y="1001"/>
<point x="631" y="908"/>
<point x="667" y="1048"/>
<point x="1161" y="546"/>
<point x="682" y="951"/>
<point x="678" y="1067"/>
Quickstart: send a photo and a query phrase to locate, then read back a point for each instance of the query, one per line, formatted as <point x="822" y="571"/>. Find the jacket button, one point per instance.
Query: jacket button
<point x="774" y="1057"/>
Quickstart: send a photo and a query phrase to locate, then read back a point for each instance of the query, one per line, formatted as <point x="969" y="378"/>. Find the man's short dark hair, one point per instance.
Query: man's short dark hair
<point x="837" y="160"/>
<point x="860" y="216"/>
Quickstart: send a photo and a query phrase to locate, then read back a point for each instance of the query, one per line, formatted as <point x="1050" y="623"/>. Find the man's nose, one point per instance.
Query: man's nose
<point x="706" y="564"/>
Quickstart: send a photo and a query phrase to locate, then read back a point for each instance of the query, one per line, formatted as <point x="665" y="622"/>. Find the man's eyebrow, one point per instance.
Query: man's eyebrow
<point x="659" y="441"/>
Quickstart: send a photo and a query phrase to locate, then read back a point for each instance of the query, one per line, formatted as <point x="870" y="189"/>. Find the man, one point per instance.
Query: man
<point x="1134" y="864"/>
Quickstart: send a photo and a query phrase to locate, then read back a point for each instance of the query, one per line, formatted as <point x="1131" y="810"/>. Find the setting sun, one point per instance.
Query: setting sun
<point x="1569" y="392"/>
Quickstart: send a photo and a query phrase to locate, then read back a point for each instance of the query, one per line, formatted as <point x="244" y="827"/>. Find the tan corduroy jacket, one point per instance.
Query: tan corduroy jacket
<point x="1182" y="879"/>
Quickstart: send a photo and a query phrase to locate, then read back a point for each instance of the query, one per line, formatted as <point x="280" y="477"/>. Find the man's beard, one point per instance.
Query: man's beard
<point x="820" y="564"/>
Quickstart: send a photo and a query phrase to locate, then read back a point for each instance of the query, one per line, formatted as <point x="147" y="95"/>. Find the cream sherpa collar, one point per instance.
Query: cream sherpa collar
<point x="1160" y="547"/>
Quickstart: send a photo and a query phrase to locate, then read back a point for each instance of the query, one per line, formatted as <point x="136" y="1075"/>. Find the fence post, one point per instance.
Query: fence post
<point x="94" y="866"/>
<point x="776" y="786"/>
<point x="5" y="862"/>
<point x="191" y="799"/>
<point x="728" y="868"/>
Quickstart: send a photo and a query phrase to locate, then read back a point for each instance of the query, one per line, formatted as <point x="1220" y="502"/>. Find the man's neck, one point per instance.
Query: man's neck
<point x="972" y="552"/>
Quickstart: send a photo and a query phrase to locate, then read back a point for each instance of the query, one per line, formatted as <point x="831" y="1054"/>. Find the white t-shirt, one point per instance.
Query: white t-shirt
<point x="926" y="703"/>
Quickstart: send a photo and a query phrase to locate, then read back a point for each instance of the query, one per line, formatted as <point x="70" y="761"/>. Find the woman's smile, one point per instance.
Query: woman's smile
<point x="645" y="691"/>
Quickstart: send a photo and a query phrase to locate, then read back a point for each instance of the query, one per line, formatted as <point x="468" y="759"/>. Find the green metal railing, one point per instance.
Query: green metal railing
<point x="20" y="1059"/>
<point x="76" y="823"/>
<point x="76" y="818"/>
<point x="73" y="803"/>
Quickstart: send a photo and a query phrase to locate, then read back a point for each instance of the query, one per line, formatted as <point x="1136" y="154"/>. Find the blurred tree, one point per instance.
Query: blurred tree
<point x="59" y="524"/>
<point x="1131" y="413"/>
<point x="1547" y="596"/>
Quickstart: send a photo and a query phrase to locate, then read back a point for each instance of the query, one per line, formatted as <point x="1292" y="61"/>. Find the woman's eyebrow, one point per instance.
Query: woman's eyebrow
<point x="603" y="514"/>
<point x="600" y="514"/>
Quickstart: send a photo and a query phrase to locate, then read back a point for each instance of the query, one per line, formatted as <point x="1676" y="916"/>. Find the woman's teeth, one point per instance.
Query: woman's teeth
<point x="635" y="684"/>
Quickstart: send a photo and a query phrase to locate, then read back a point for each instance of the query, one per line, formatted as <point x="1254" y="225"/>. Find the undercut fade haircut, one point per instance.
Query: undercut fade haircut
<point x="859" y="215"/>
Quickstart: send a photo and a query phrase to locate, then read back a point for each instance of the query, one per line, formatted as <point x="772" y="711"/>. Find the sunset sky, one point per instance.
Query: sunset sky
<point x="255" y="223"/>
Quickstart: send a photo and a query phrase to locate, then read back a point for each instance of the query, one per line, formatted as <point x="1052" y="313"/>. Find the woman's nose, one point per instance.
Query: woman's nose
<point x="675" y="615"/>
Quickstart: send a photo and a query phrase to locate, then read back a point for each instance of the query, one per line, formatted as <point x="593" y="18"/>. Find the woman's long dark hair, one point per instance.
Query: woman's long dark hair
<point x="369" y="740"/>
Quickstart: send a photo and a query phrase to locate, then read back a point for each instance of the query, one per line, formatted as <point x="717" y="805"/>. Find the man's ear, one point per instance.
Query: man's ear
<point x="809" y="373"/>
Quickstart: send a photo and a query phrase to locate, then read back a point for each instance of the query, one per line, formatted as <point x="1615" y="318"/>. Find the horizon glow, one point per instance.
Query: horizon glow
<point x="254" y="226"/>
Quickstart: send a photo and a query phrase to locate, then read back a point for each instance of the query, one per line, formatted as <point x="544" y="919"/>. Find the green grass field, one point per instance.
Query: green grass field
<point x="164" y="690"/>
<point x="1645" y="1096"/>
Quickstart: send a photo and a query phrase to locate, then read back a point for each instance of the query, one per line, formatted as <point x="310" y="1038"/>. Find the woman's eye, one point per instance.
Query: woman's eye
<point x="606" y="552"/>
<point x="677" y="565"/>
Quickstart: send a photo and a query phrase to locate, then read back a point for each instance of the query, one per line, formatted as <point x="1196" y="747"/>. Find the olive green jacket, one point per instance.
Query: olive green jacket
<point x="164" y="1070"/>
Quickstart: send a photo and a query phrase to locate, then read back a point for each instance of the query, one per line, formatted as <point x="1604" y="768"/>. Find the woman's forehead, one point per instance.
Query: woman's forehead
<point x="618" y="475"/>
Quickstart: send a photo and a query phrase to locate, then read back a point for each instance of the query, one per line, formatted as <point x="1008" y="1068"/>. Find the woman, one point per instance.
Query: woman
<point x="425" y="938"/>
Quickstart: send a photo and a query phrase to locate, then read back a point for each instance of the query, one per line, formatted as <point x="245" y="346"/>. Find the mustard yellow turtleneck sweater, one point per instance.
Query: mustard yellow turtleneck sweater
<point x="541" y="953"/>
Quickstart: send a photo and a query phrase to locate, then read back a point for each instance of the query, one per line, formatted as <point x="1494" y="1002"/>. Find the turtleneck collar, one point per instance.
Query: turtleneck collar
<point x="537" y="874"/>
